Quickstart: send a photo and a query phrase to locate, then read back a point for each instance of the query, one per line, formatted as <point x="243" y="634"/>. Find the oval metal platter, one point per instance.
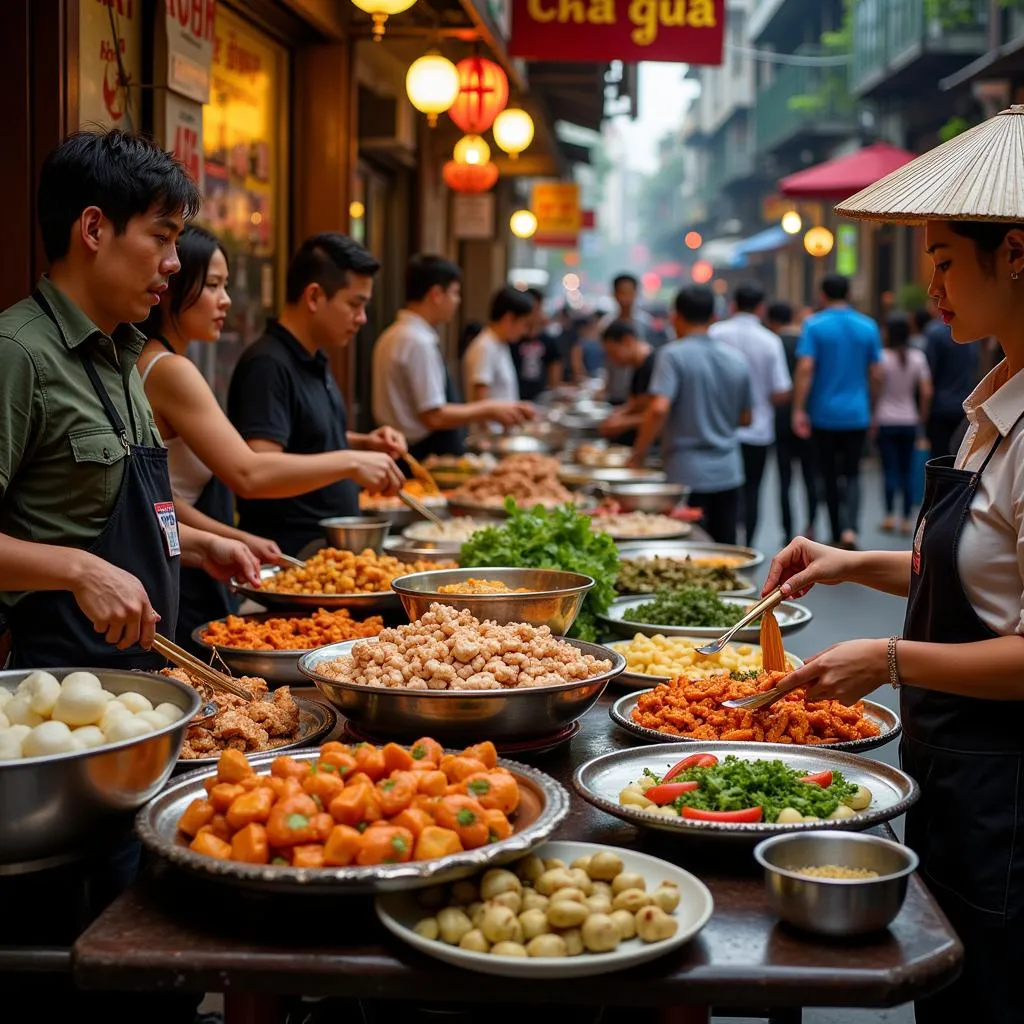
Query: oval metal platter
<point x="316" y="720"/>
<point x="642" y="681"/>
<point x="384" y="601"/>
<point x="886" y="719"/>
<point x="745" y="558"/>
<point x="790" y="616"/>
<point x="601" y="780"/>
<point x="544" y="804"/>
<point x="680" y="530"/>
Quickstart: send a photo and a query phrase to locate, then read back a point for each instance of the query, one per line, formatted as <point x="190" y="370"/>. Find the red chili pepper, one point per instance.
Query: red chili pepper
<point x="667" y="792"/>
<point x="694" y="761"/>
<point x="747" y="816"/>
<point x="823" y="779"/>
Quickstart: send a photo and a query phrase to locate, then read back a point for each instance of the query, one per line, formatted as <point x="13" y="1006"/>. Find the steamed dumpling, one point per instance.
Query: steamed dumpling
<point x="83" y="680"/>
<point x="170" y="711"/>
<point x="41" y="690"/>
<point x="128" y="727"/>
<point x="113" y="712"/>
<point x="87" y="737"/>
<point x="79" y="706"/>
<point x="11" y="740"/>
<point x="155" y="719"/>
<point x="19" y="711"/>
<point x="48" y="738"/>
<point x="134" y="702"/>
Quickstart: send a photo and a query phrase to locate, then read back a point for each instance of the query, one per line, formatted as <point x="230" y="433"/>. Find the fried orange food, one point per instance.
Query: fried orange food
<point x="333" y="571"/>
<point x="358" y="805"/>
<point x="693" y="708"/>
<point x="291" y="634"/>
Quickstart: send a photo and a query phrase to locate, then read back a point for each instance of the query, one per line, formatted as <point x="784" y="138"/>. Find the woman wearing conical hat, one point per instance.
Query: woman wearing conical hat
<point x="959" y="663"/>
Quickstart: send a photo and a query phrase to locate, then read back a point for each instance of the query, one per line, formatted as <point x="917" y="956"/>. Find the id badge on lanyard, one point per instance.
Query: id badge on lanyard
<point x="168" y="526"/>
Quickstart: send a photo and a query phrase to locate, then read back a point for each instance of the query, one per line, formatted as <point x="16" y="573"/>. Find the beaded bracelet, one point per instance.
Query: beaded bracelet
<point x="894" y="672"/>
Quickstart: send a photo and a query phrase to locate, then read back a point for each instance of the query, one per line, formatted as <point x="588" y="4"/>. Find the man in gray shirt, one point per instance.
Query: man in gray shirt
<point x="700" y="394"/>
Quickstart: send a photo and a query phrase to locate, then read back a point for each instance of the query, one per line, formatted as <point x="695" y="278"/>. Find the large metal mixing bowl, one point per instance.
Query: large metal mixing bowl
<point x="552" y="598"/>
<point x="836" y="906"/>
<point x="66" y="806"/>
<point x="655" y="498"/>
<point x="356" y="533"/>
<point x="460" y="717"/>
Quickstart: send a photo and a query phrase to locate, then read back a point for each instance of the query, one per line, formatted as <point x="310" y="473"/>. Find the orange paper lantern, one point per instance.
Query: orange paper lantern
<point x="483" y="94"/>
<point x="470" y="177"/>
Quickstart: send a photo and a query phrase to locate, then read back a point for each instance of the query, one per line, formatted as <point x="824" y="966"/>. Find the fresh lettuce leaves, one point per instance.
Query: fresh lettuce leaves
<point x="559" y="538"/>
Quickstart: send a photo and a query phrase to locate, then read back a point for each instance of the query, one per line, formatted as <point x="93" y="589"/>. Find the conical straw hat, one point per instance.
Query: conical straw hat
<point x="978" y="175"/>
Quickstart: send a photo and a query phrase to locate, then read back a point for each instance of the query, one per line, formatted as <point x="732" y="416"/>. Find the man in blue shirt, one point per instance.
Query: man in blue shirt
<point x="700" y="393"/>
<point x="837" y="360"/>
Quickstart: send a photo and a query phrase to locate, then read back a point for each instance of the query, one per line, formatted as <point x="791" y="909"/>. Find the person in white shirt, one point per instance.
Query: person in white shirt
<point x="412" y="388"/>
<point x="488" y="370"/>
<point x="771" y="385"/>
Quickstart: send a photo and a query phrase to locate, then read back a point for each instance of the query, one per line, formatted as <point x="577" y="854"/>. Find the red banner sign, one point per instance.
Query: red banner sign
<point x="680" y="31"/>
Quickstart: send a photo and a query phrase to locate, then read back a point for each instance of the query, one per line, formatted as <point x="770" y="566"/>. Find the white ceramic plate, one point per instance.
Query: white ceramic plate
<point x="399" y="913"/>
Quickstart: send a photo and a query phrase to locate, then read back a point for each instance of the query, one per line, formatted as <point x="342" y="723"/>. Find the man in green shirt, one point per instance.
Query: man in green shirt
<point x="89" y="545"/>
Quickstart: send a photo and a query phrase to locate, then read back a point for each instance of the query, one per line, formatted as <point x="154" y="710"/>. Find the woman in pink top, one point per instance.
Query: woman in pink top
<point x="903" y="396"/>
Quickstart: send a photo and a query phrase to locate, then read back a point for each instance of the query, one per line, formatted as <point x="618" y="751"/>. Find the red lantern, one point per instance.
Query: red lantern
<point x="470" y="177"/>
<point x="483" y="95"/>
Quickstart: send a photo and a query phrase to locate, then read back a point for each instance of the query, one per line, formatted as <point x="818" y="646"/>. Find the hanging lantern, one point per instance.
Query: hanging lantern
<point x="432" y="84"/>
<point x="471" y="149"/>
<point x="483" y="94"/>
<point x="523" y="224"/>
<point x="513" y="131"/>
<point x="380" y="11"/>
<point x="819" y="241"/>
<point x="792" y="222"/>
<point x="469" y="177"/>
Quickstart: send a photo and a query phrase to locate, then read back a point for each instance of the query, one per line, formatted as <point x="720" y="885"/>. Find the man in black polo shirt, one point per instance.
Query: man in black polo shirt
<point x="283" y="396"/>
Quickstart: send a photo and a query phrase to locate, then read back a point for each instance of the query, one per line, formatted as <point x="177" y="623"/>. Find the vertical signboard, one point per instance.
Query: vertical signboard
<point x="189" y="33"/>
<point x="556" y="205"/>
<point x="109" y="63"/>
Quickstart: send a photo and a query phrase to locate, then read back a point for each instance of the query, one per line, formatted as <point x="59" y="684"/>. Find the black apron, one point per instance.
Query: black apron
<point x="47" y="627"/>
<point x="968" y="756"/>
<point x="201" y="598"/>
<point x="443" y="442"/>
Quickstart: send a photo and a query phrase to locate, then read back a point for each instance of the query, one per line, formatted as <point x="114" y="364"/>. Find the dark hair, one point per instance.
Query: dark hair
<point x="779" y="313"/>
<point x="326" y="259"/>
<point x="509" y="301"/>
<point x="748" y="296"/>
<point x="835" y="287"/>
<point x="538" y="295"/>
<point x="196" y="247"/>
<point x="124" y="175"/>
<point x="920" y="318"/>
<point x="897" y="334"/>
<point x="696" y="304"/>
<point x="425" y="272"/>
<point x="987" y="236"/>
<point x="624" y="279"/>
<point x="469" y="333"/>
<point x="619" y="331"/>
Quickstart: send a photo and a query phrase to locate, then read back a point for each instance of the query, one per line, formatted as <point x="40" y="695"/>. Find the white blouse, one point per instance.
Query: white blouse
<point x="990" y="558"/>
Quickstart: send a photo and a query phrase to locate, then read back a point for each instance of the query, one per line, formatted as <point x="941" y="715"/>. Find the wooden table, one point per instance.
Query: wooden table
<point x="171" y="933"/>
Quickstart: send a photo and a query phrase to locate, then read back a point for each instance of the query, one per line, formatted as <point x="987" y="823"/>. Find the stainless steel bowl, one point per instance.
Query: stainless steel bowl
<point x="401" y="516"/>
<point x="356" y="533"/>
<point x="459" y="717"/>
<point x="66" y="806"/>
<point x="576" y="475"/>
<point x="465" y="525"/>
<point x="406" y="550"/>
<point x="553" y="598"/>
<point x="836" y="906"/>
<point x="644" y="497"/>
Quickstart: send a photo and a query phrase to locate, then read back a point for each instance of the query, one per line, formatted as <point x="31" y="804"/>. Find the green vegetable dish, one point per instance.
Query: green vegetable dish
<point x="702" y="788"/>
<point x="559" y="538"/>
<point x="646" y="575"/>
<point x="691" y="606"/>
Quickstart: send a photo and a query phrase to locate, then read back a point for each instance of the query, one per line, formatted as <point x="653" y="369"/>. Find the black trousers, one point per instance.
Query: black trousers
<point x="755" y="457"/>
<point x="789" y="449"/>
<point x="839" y="453"/>
<point x="721" y="513"/>
<point x="941" y="430"/>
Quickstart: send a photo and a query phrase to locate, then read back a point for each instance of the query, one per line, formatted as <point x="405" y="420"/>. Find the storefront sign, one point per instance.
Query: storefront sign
<point x="846" y="250"/>
<point x="473" y="216"/>
<point x="556" y="205"/>
<point x="680" y="31"/>
<point x="109" y="55"/>
<point x="183" y="134"/>
<point x="190" y="28"/>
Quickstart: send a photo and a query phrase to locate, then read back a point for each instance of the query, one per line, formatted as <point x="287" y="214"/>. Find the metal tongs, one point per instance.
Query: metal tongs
<point x="418" y="506"/>
<point x="753" y="612"/>
<point x="180" y="657"/>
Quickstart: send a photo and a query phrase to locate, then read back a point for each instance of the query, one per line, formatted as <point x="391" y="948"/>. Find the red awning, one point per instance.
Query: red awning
<point x="842" y="177"/>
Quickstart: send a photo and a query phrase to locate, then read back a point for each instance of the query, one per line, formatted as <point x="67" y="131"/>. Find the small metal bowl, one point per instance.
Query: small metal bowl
<point x="836" y="906"/>
<point x="406" y="550"/>
<point x="656" y="498"/>
<point x="553" y="598"/>
<point x="459" y="717"/>
<point x="60" y="808"/>
<point x="577" y="475"/>
<point x="356" y="533"/>
<point x="466" y="526"/>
